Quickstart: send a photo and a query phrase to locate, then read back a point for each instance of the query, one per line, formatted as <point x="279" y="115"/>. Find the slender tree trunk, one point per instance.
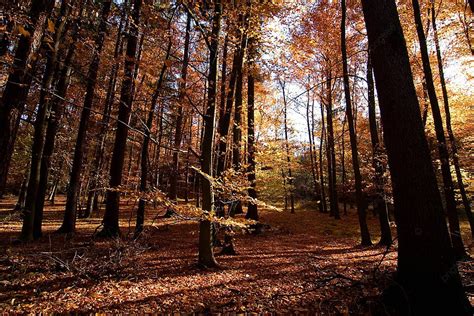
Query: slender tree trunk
<point x="98" y="163"/>
<point x="69" y="222"/>
<point x="111" y="216"/>
<point x="452" y="139"/>
<point x="314" y="163"/>
<point x="179" y="116"/>
<point x="19" y="80"/>
<point x="343" y="165"/>
<point x="427" y="280"/>
<point x="448" y="186"/>
<point x="380" y="204"/>
<point x="224" y="120"/>
<point x="361" y="209"/>
<point x="33" y="215"/>
<point x="146" y="140"/>
<point x="287" y="147"/>
<point x="252" y="211"/>
<point x="321" y="169"/>
<point x="331" y="154"/>
<point x="206" y="253"/>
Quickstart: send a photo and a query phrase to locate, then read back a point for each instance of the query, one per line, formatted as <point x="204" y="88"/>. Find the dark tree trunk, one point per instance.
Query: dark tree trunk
<point x="57" y="109"/>
<point x="18" y="84"/>
<point x="427" y="280"/>
<point x="452" y="139"/>
<point x="361" y="209"/>
<point x="146" y="141"/>
<point x="330" y="152"/>
<point x="321" y="169"/>
<point x="448" y="186"/>
<point x="380" y="204"/>
<point x="287" y="148"/>
<point x="206" y="252"/>
<point x="111" y="216"/>
<point x="92" y="195"/>
<point x="33" y="215"/>
<point x="179" y="115"/>
<point x="224" y="120"/>
<point x="343" y="165"/>
<point x="314" y="163"/>
<point x="252" y="211"/>
<point x="69" y="222"/>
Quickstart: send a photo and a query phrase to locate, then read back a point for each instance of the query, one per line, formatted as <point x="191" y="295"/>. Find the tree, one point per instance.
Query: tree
<point x="454" y="228"/>
<point x="111" y="216"/>
<point x="452" y="139"/>
<point x="427" y="279"/>
<point x="289" y="178"/>
<point x="32" y="214"/>
<point x="364" y="230"/>
<point x="19" y="81"/>
<point x="330" y="151"/>
<point x="69" y="222"/>
<point x="380" y="204"/>
<point x="252" y="211"/>
<point x="179" y="115"/>
<point x="206" y="252"/>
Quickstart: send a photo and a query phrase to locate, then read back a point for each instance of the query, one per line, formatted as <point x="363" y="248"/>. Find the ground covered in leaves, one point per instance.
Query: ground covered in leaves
<point x="303" y="262"/>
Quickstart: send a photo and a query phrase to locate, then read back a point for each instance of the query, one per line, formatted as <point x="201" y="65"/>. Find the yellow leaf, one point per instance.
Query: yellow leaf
<point x="23" y="32"/>
<point x="51" y="26"/>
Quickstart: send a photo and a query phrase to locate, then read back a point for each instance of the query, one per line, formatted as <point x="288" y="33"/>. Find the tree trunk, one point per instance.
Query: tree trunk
<point x="179" y="116"/>
<point x="33" y="215"/>
<point x="146" y="141"/>
<point x="448" y="186"/>
<point x="314" y="163"/>
<point x="287" y="147"/>
<point x="224" y="120"/>
<point x="380" y="204"/>
<point x="69" y="222"/>
<point x="321" y="169"/>
<point x="252" y="211"/>
<point x="330" y="152"/>
<point x="361" y="209"/>
<point x="452" y="139"/>
<point x="92" y="195"/>
<point x="427" y="280"/>
<point x="111" y="216"/>
<point x="206" y="252"/>
<point x="18" y="84"/>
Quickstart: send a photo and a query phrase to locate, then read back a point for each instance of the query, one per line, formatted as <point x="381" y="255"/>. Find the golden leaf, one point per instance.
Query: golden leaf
<point x="23" y="32"/>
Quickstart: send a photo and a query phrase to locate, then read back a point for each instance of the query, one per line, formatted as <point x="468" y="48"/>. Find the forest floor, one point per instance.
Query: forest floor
<point x="304" y="263"/>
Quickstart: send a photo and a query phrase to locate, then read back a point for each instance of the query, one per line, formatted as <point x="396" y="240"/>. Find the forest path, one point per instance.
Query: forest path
<point x="303" y="263"/>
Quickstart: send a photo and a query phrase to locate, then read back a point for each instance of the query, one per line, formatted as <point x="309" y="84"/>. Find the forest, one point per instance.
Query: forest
<point x="237" y="157"/>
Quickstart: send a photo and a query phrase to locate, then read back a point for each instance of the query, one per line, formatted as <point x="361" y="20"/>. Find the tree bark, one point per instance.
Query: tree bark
<point x="111" y="216"/>
<point x="427" y="280"/>
<point x="18" y="84"/>
<point x="448" y="186"/>
<point x="92" y="195"/>
<point x="380" y="204"/>
<point x="287" y="147"/>
<point x="33" y="214"/>
<point x="452" y="139"/>
<point x="179" y="116"/>
<point x="330" y="152"/>
<point x="206" y="252"/>
<point x="69" y="222"/>
<point x="361" y="209"/>
<point x="146" y="140"/>
<point x="252" y="211"/>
